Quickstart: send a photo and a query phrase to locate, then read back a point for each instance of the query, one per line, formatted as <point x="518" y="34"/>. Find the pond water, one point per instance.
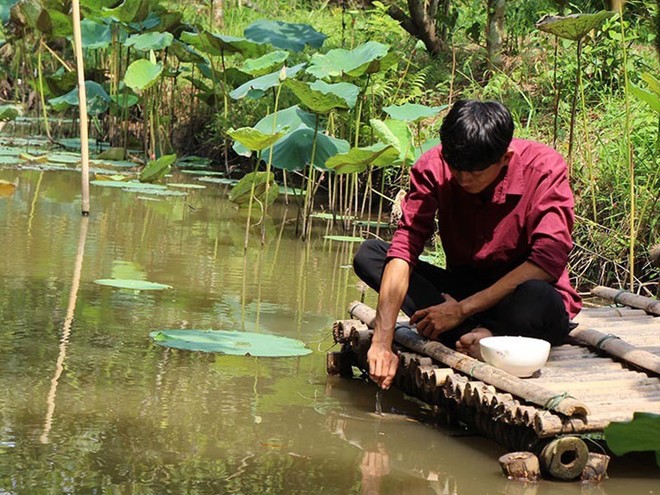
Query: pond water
<point x="92" y="406"/>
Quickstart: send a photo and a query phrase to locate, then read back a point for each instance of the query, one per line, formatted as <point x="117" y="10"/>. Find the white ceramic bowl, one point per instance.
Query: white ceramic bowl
<point x="519" y="356"/>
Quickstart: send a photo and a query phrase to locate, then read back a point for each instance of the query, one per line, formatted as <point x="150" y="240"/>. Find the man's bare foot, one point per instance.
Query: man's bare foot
<point x="469" y="343"/>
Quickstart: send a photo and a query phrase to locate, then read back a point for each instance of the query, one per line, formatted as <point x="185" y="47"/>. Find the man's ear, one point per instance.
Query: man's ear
<point x="506" y="158"/>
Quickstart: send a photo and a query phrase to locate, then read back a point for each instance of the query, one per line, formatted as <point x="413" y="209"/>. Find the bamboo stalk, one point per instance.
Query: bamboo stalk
<point x="628" y="298"/>
<point x="341" y="329"/>
<point x="406" y="337"/>
<point x="619" y="348"/>
<point x="82" y="104"/>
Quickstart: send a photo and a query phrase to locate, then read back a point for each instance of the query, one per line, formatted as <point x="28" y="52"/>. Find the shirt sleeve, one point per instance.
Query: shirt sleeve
<point x="550" y="221"/>
<point x="418" y="214"/>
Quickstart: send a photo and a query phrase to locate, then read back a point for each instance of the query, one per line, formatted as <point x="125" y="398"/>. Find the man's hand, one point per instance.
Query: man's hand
<point x="434" y="320"/>
<point x="382" y="364"/>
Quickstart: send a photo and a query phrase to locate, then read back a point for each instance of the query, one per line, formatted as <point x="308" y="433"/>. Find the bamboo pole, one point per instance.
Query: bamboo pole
<point x="619" y="348"/>
<point x="628" y="298"/>
<point x="82" y="105"/>
<point x="408" y="338"/>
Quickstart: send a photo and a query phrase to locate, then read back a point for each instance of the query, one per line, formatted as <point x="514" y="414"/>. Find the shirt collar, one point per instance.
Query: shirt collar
<point x="513" y="182"/>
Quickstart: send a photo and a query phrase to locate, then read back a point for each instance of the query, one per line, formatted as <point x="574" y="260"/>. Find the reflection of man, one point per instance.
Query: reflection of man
<point x="375" y="464"/>
<point x="505" y="213"/>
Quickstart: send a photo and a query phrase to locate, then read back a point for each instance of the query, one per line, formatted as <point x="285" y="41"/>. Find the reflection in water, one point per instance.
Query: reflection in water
<point x="132" y="417"/>
<point x="66" y="328"/>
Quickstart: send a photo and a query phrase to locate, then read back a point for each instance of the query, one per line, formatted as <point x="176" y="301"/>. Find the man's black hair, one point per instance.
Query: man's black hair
<point x="475" y="134"/>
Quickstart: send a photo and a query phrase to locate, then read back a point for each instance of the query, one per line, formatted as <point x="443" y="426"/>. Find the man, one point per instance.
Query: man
<point x="504" y="209"/>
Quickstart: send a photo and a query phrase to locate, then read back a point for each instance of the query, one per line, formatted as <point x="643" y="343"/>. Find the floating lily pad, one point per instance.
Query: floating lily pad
<point x="70" y="158"/>
<point x="155" y="192"/>
<point x="330" y="216"/>
<point x="10" y="160"/>
<point x="219" y="180"/>
<point x="131" y="284"/>
<point x="201" y="172"/>
<point x="186" y="186"/>
<point x="127" y="185"/>
<point x="372" y="223"/>
<point x="343" y="238"/>
<point x="234" y="343"/>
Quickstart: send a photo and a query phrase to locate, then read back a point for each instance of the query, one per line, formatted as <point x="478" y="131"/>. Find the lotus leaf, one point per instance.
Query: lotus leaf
<point x="150" y="41"/>
<point x="27" y="12"/>
<point x="359" y="159"/>
<point x="128" y="11"/>
<point x="217" y="44"/>
<point x="574" y="26"/>
<point x="253" y="139"/>
<point x="320" y="102"/>
<point x="9" y="160"/>
<point x="97" y="99"/>
<point x="186" y="186"/>
<point x="639" y="435"/>
<point x="219" y="180"/>
<point x="368" y="58"/>
<point x="142" y="74"/>
<point x="343" y="238"/>
<point x="115" y="153"/>
<point x="199" y="172"/>
<point x="127" y="185"/>
<point x="347" y="91"/>
<point x="265" y="64"/>
<point x="6" y="188"/>
<point x="285" y="35"/>
<point x="650" y="96"/>
<point x="184" y="53"/>
<point x="257" y="87"/>
<point x="96" y="35"/>
<point x="234" y="343"/>
<point x="131" y="284"/>
<point x="241" y="192"/>
<point x="155" y="192"/>
<point x="156" y="169"/>
<point x="54" y="23"/>
<point x="412" y="112"/>
<point x="292" y="118"/>
<point x="397" y="133"/>
<point x="294" y="151"/>
<point x="372" y="223"/>
<point x="61" y="81"/>
<point x="10" y="112"/>
<point x="5" y="10"/>
<point x="70" y="158"/>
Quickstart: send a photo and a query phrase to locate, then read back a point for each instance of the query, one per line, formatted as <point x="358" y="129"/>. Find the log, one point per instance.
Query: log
<point x="628" y="298"/>
<point x="339" y="363"/>
<point x="596" y="469"/>
<point x="341" y="329"/>
<point x="408" y="338"/>
<point x="618" y="347"/>
<point x="564" y="458"/>
<point x="521" y="466"/>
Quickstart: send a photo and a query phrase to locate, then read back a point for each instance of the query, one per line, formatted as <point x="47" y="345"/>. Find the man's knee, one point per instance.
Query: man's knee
<point x="369" y="255"/>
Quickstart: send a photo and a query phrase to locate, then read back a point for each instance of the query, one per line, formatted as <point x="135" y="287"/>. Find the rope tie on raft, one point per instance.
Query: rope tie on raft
<point x="604" y="339"/>
<point x="554" y="401"/>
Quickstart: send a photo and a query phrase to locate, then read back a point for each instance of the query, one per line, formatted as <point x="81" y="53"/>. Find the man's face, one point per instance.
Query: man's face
<point x="476" y="181"/>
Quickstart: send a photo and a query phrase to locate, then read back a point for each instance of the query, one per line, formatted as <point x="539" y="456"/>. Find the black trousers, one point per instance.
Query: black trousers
<point x="533" y="309"/>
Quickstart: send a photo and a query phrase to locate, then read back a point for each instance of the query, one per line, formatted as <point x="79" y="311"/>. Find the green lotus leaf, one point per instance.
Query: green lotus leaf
<point x="347" y="91"/>
<point x="27" y="12"/>
<point x="285" y="35"/>
<point x="240" y="193"/>
<point x="258" y="86"/>
<point x="412" y="112"/>
<point x="653" y="83"/>
<point x="184" y="53"/>
<point x="343" y="238"/>
<point x="574" y="26"/>
<point x="198" y="172"/>
<point x="125" y="99"/>
<point x="155" y="192"/>
<point x="156" y="169"/>
<point x="316" y="100"/>
<point x="126" y="185"/>
<point x="142" y="74"/>
<point x="61" y="81"/>
<point x="70" y="158"/>
<point x="291" y="118"/>
<point x="95" y="35"/>
<point x="265" y="64"/>
<point x="217" y="44"/>
<point x="234" y="343"/>
<point x="5" y="10"/>
<point x="10" y="112"/>
<point x="639" y="435"/>
<point x="253" y="139"/>
<point x="97" y="99"/>
<point x="128" y="11"/>
<point x="368" y="58"/>
<point x="330" y="216"/>
<point x="294" y="151"/>
<point x="150" y="41"/>
<point x="131" y="284"/>
<point x="54" y="23"/>
<point x="186" y="186"/>
<point x="359" y="159"/>
<point x="397" y="133"/>
<point x="219" y="180"/>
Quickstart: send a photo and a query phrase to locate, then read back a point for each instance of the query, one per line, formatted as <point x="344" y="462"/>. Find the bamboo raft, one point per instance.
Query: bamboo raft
<point x="609" y="370"/>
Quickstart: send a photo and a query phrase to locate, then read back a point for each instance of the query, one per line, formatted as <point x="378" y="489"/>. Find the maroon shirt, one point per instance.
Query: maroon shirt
<point x="525" y="215"/>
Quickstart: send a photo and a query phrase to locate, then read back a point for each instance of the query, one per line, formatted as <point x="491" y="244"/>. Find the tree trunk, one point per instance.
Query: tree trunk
<point x="218" y="13"/>
<point x="495" y="32"/>
<point x="420" y="22"/>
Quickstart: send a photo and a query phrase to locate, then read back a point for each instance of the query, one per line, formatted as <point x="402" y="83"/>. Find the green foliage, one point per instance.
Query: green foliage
<point x="97" y="99"/>
<point x="573" y="27"/>
<point x="142" y="74"/>
<point x="254" y="185"/>
<point x="157" y="169"/>
<point x="639" y="435"/>
<point x="285" y="35"/>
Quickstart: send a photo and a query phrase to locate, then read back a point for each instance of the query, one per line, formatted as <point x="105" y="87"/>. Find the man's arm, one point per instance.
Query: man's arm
<point x="434" y="320"/>
<point x="394" y="286"/>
